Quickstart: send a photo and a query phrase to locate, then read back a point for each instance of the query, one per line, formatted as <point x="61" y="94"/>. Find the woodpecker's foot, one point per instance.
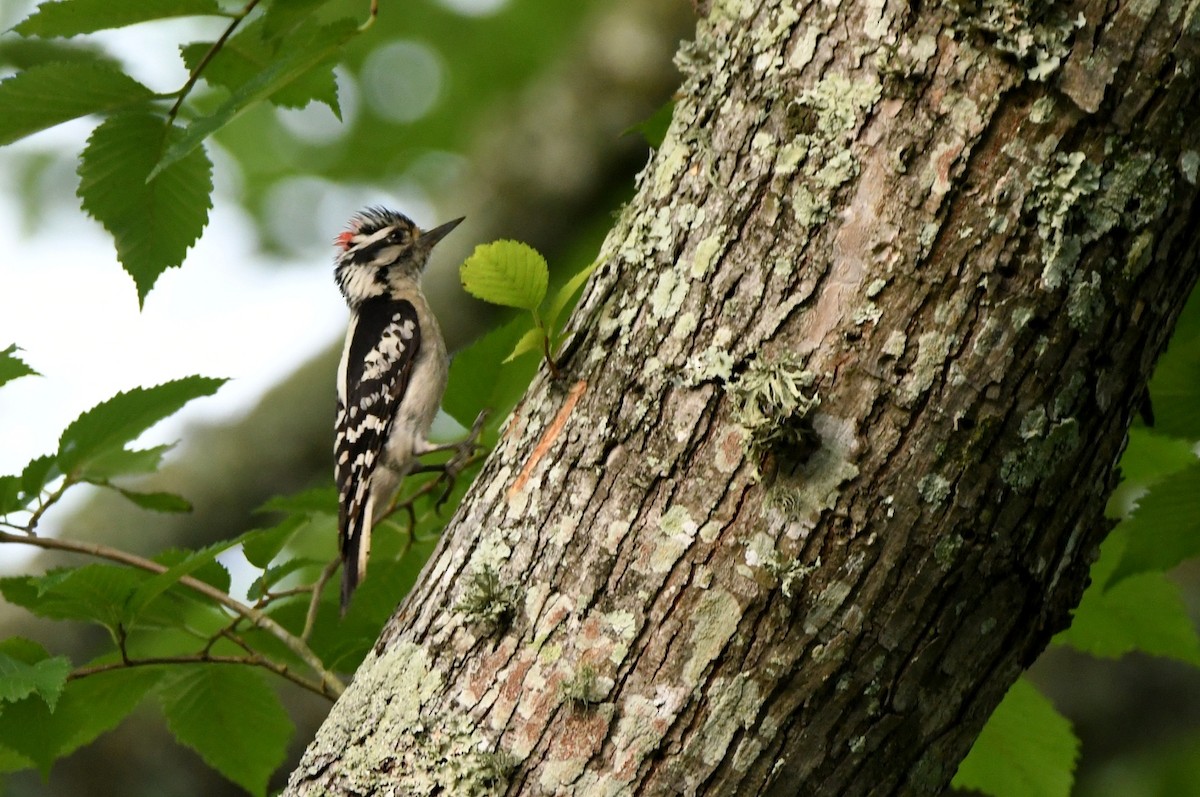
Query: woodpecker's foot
<point x="465" y="453"/>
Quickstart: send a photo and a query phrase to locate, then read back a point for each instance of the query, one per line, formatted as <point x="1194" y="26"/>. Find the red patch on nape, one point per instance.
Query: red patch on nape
<point x="344" y="240"/>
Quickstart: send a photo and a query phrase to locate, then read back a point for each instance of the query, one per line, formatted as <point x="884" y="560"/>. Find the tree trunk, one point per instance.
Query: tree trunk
<point x="828" y="460"/>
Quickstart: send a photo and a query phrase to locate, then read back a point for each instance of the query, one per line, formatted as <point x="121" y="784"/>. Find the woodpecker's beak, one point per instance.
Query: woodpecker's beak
<point x="429" y="238"/>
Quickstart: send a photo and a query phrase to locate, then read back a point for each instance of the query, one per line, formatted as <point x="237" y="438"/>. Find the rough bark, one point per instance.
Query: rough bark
<point x="840" y="412"/>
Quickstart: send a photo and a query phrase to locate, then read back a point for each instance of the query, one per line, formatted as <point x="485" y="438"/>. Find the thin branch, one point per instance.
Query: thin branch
<point x="51" y="500"/>
<point x="310" y="617"/>
<point x="253" y="660"/>
<point x="331" y="685"/>
<point x="181" y="95"/>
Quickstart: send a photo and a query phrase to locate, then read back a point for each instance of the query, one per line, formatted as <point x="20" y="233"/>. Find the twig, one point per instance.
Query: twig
<point x="208" y="56"/>
<point x="330" y="683"/>
<point x="314" y="603"/>
<point x="51" y="500"/>
<point x="253" y="660"/>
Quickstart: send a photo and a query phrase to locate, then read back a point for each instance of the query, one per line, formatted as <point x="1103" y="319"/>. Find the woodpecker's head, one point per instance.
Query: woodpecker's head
<point x="380" y="249"/>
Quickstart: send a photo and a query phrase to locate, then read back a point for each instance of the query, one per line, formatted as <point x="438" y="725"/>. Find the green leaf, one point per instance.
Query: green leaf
<point x="478" y="380"/>
<point x="1027" y="749"/>
<point x="532" y="340"/>
<point x="125" y="462"/>
<point x="1175" y="387"/>
<point x="316" y="501"/>
<point x="12" y="761"/>
<point x="37" y="473"/>
<point x="154" y="214"/>
<point x="261" y="546"/>
<point x="156" y="502"/>
<point x="72" y="17"/>
<point x="306" y="50"/>
<point x="249" y="53"/>
<point x="201" y="564"/>
<point x="1144" y="612"/>
<point x="11" y="366"/>
<point x="232" y="718"/>
<point x="10" y="494"/>
<point x="1165" y="528"/>
<point x="87" y="708"/>
<point x="654" y="127"/>
<point x="46" y="678"/>
<point x="181" y="563"/>
<point x="273" y="575"/>
<point x="508" y="273"/>
<point x="45" y="96"/>
<point x="95" y="592"/>
<point x="22" y="54"/>
<point x="281" y="18"/>
<point x="108" y="426"/>
<point x="566" y="292"/>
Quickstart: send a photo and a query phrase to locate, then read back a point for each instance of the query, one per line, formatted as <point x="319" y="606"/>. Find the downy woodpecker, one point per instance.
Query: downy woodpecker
<point x="392" y="374"/>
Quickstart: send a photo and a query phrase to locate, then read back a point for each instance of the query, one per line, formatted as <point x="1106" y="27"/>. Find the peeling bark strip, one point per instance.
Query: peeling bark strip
<point x="548" y="438"/>
<point x="949" y="245"/>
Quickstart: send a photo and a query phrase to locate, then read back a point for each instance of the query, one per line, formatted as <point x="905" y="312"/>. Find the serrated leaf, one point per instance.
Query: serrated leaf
<point x="250" y="52"/>
<point x="11" y="366"/>
<point x="46" y="678"/>
<point x="232" y="718"/>
<point x="532" y="340"/>
<point x="154" y="215"/>
<point x="156" y="502"/>
<point x="320" y="45"/>
<point x="566" y="292"/>
<point x="73" y="17"/>
<point x="261" y="546"/>
<point x="207" y="569"/>
<point x="124" y="462"/>
<point x="95" y="592"/>
<point x="1027" y="749"/>
<point x="37" y="473"/>
<point x="108" y="426"/>
<point x="1144" y="612"/>
<point x="1165" y="528"/>
<point x="507" y="273"/>
<point x="44" y="96"/>
<point x="87" y="708"/>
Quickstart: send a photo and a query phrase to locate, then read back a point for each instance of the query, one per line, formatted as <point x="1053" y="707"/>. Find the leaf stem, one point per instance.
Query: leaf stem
<point x="331" y="686"/>
<point x="314" y="603"/>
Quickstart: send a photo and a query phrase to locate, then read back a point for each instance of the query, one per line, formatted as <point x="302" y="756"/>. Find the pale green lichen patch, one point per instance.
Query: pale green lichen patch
<point x="488" y="599"/>
<point x="735" y="705"/>
<point x="582" y="688"/>
<point x="1078" y="201"/>
<point x="381" y="727"/>
<point x="710" y="364"/>
<point x="715" y="619"/>
<point x="678" y="532"/>
<point x="706" y="252"/>
<point x="1041" y="456"/>
<point x="1189" y="163"/>
<point x="668" y="294"/>
<point x="1039" y="39"/>
<point x="1042" y="110"/>
<point x="932" y="350"/>
<point x="934" y="488"/>
<point x="769" y="402"/>
<point x="789" y="572"/>
<point x="1085" y="301"/>
<point x="827" y="112"/>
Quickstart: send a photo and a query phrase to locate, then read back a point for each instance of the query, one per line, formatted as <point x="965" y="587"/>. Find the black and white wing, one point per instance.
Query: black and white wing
<point x="377" y="364"/>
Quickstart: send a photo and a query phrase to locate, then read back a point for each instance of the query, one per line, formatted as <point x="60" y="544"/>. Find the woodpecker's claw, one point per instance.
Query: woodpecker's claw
<point x="464" y="455"/>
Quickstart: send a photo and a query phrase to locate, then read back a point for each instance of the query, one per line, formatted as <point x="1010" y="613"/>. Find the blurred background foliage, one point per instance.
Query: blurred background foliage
<point x="516" y="114"/>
